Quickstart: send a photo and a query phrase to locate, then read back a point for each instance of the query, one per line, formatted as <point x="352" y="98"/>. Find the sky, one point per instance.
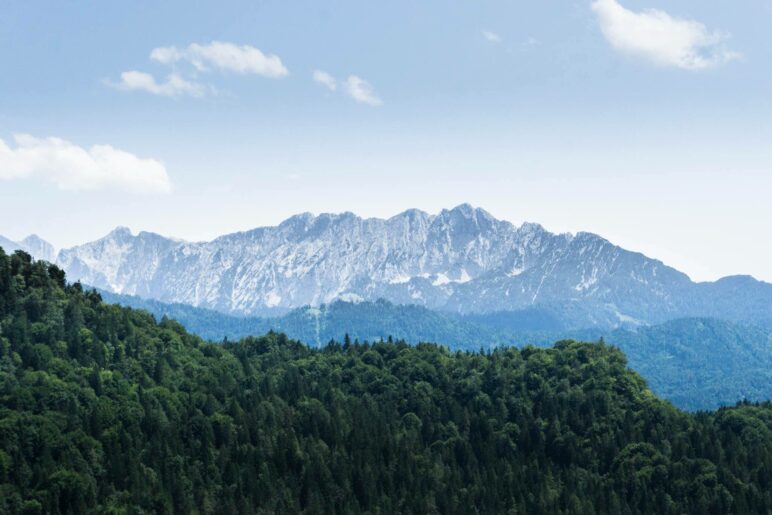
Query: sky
<point x="648" y="122"/>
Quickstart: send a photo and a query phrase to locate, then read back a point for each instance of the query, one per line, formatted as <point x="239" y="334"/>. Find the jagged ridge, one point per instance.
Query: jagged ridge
<point x="461" y="260"/>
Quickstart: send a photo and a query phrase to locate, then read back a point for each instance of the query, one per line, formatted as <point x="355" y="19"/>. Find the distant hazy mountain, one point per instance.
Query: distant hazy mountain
<point x="8" y="246"/>
<point x="696" y="363"/>
<point x="461" y="260"/>
<point x="316" y="326"/>
<point x="33" y="245"/>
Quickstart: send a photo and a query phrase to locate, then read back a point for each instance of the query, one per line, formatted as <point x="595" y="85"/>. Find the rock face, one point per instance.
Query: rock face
<point x="39" y="248"/>
<point x="33" y="245"/>
<point x="462" y="260"/>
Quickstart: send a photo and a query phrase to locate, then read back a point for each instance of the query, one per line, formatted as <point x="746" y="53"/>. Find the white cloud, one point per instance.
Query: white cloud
<point x="166" y="55"/>
<point x="218" y="55"/>
<point x="354" y="86"/>
<point x="325" y="79"/>
<point x="491" y="37"/>
<point x="662" y="39"/>
<point x="175" y="85"/>
<point x="72" y="167"/>
<point x="244" y="59"/>
<point x="361" y="91"/>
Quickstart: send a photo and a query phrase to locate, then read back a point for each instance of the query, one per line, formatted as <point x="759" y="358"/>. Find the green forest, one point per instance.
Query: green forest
<point x="104" y="409"/>
<point x="695" y="363"/>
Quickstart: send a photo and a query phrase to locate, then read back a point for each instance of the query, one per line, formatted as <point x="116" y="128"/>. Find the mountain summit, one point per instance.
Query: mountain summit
<point x="462" y="260"/>
<point x="33" y="244"/>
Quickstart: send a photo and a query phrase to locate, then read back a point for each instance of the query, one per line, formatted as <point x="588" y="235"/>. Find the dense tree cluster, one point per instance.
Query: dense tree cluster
<point x="695" y="363"/>
<point x="102" y="409"/>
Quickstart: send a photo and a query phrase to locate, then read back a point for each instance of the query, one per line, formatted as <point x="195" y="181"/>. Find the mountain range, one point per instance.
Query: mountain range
<point x="461" y="278"/>
<point x="461" y="260"/>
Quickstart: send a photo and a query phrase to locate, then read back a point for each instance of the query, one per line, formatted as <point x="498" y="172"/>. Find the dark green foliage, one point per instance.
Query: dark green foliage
<point x="696" y="363"/>
<point x="104" y="410"/>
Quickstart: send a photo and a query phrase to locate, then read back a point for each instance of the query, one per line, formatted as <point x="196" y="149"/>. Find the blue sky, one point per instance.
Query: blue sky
<point x="648" y="122"/>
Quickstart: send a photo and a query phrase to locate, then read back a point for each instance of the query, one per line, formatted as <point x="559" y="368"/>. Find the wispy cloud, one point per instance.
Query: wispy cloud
<point x="214" y="56"/>
<point x="355" y="87"/>
<point x="72" y="167"/>
<point x="361" y="91"/>
<point x="491" y="37"/>
<point x="325" y="79"/>
<point x="660" y="38"/>
<point x="243" y="59"/>
<point x="174" y="86"/>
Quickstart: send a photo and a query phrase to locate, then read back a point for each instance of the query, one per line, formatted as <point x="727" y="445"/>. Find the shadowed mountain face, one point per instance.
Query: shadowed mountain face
<point x="461" y="260"/>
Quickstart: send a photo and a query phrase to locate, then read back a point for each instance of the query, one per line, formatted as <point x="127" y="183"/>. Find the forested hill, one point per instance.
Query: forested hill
<point x="104" y="410"/>
<point x="695" y="363"/>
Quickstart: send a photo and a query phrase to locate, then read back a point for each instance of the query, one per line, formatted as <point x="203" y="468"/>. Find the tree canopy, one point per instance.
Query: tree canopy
<point x="103" y="409"/>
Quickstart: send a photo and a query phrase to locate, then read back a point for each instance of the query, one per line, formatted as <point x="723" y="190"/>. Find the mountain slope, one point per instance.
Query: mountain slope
<point x="33" y="245"/>
<point x="8" y="245"/>
<point x="39" y="248"/>
<point x="103" y="410"/>
<point x="461" y="260"/>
